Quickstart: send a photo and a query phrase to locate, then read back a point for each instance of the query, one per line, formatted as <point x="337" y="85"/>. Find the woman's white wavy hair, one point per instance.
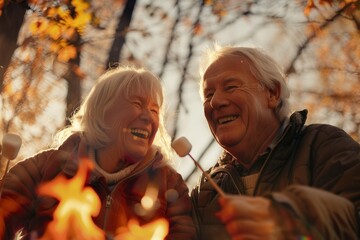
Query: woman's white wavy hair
<point x="262" y="66"/>
<point x="89" y="120"/>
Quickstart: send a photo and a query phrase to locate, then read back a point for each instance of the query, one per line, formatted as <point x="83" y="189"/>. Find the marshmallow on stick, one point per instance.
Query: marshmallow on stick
<point x="11" y="144"/>
<point x="182" y="147"/>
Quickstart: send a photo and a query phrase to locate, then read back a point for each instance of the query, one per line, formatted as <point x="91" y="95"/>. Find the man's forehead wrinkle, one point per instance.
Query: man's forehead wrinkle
<point x="224" y="74"/>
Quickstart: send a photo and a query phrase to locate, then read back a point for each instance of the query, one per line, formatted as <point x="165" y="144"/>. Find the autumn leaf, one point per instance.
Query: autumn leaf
<point x="69" y="33"/>
<point x="323" y="2"/>
<point x="67" y="53"/>
<point x="39" y="26"/>
<point x="80" y="5"/>
<point x="309" y="6"/>
<point x="8" y="88"/>
<point x="51" y="12"/>
<point x="54" y="47"/>
<point x="79" y="72"/>
<point x="54" y="31"/>
<point x="81" y="21"/>
<point x="197" y="29"/>
<point x="1" y="6"/>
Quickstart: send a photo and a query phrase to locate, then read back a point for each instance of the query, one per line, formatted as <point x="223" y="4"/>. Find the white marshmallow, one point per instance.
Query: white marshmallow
<point x="182" y="146"/>
<point x="10" y="145"/>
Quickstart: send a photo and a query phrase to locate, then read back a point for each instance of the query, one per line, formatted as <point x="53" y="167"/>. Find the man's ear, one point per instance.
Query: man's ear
<point x="274" y="96"/>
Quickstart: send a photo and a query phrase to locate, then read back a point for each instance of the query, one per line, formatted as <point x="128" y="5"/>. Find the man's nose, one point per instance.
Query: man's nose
<point x="218" y="100"/>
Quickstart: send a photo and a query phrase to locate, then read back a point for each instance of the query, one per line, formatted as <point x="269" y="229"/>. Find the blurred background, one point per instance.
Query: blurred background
<point x="51" y="52"/>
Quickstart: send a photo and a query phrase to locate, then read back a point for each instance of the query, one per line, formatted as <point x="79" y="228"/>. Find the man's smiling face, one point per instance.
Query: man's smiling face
<point x="235" y="104"/>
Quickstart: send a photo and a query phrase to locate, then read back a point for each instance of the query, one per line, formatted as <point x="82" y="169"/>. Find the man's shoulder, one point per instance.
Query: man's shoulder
<point x="324" y="130"/>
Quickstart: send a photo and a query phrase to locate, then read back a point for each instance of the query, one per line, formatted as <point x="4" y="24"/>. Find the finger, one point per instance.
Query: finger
<point x="246" y="237"/>
<point x="234" y="207"/>
<point x="228" y="212"/>
<point x="250" y="227"/>
<point x="224" y="199"/>
<point x="256" y="208"/>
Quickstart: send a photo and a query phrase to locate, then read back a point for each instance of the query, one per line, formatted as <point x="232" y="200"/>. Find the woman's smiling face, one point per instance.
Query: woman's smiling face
<point x="136" y="121"/>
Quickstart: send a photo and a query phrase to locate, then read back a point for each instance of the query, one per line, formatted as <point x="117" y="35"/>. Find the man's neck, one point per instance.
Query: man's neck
<point x="247" y="157"/>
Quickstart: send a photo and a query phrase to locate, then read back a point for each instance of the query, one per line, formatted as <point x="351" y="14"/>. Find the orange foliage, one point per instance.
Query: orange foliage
<point x="218" y="8"/>
<point x="309" y="6"/>
<point x="1" y="6"/>
<point x="312" y="5"/>
<point x="62" y="26"/>
<point x="66" y="53"/>
<point x="197" y="30"/>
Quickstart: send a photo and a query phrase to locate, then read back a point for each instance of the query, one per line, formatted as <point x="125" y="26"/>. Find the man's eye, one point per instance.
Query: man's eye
<point x="208" y="95"/>
<point x="230" y="87"/>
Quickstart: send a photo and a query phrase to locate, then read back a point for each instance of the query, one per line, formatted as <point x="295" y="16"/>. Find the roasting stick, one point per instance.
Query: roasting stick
<point x="182" y="147"/>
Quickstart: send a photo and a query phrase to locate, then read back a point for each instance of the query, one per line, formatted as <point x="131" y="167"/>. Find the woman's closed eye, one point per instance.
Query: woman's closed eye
<point x="154" y="110"/>
<point x="136" y="103"/>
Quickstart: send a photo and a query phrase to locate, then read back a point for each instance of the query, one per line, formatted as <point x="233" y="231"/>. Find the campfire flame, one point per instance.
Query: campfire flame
<point x="7" y="207"/>
<point x="155" y="230"/>
<point x="77" y="205"/>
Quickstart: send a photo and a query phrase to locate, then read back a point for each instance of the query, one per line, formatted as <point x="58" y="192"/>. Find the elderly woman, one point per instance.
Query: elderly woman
<point x="119" y="128"/>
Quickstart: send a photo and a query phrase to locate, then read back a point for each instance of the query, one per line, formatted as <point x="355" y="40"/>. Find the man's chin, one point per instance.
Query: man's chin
<point x="226" y="142"/>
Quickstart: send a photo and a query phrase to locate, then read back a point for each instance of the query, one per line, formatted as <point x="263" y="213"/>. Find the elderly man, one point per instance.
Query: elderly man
<point x="283" y="179"/>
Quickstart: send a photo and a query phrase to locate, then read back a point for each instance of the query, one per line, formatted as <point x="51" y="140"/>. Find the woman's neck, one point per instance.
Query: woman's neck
<point x="109" y="161"/>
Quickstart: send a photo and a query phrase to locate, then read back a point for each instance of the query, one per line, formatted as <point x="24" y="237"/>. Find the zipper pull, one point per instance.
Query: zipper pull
<point x="108" y="201"/>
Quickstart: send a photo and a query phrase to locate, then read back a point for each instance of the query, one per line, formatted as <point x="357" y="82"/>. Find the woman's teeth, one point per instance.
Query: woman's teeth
<point x="137" y="132"/>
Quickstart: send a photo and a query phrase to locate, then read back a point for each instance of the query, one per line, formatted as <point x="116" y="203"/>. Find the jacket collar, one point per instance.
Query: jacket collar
<point x="76" y="148"/>
<point x="290" y="127"/>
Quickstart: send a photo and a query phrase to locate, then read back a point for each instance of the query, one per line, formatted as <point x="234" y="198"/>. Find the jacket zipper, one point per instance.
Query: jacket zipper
<point x="267" y="161"/>
<point x="108" y="201"/>
<point x="109" y="198"/>
<point x="107" y="207"/>
<point x="224" y="170"/>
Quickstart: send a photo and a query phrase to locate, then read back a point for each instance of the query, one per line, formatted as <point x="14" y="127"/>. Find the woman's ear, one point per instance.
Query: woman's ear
<point x="274" y="96"/>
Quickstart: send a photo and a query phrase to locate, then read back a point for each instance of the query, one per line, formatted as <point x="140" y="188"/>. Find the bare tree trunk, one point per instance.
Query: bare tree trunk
<point x="11" y="21"/>
<point x="120" y="33"/>
<point x="73" y="96"/>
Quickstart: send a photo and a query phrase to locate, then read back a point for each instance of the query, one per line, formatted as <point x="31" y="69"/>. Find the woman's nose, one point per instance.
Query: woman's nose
<point x="146" y="115"/>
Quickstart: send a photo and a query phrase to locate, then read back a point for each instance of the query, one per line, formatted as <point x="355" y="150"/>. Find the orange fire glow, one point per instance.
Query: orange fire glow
<point x="7" y="206"/>
<point x="72" y="217"/>
<point x="155" y="230"/>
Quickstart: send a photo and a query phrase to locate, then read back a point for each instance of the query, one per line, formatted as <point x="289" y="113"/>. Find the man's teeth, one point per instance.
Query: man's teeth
<point x="227" y="119"/>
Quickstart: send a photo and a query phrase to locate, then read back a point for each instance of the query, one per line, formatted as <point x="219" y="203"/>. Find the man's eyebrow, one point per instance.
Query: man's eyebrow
<point x="230" y="79"/>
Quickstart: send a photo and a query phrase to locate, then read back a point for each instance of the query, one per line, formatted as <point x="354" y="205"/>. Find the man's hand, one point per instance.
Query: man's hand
<point x="248" y="217"/>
